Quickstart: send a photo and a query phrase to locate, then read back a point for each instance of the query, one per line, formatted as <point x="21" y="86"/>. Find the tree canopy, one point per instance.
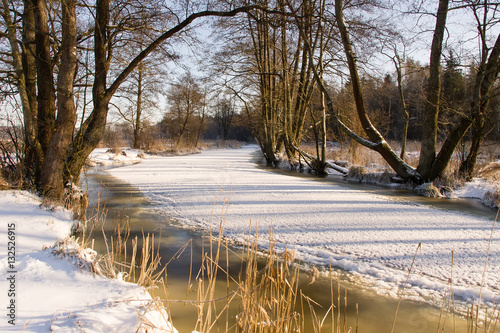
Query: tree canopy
<point x="312" y="70"/>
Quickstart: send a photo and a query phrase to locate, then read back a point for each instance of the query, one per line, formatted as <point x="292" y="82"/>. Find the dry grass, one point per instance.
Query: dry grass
<point x="3" y="184"/>
<point x="352" y="155"/>
<point x="169" y="147"/>
<point x="134" y="259"/>
<point x="226" y="144"/>
<point x="268" y="298"/>
<point x="265" y="293"/>
<point x="140" y="264"/>
<point x="491" y="171"/>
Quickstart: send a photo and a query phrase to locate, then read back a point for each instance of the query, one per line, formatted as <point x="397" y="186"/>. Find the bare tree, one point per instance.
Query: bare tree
<point x="428" y="159"/>
<point x="64" y="147"/>
<point x="398" y="62"/>
<point x="186" y="100"/>
<point x="138" y="97"/>
<point x="487" y="70"/>
<point x="376" y="140"/>
<point x="224" y="112"/>
<point x="275" y="79"/>
<point x="431" y="164"/>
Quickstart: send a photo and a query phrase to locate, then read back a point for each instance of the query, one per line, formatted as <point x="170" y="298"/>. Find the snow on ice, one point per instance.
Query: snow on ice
<point x="372" y="236"/>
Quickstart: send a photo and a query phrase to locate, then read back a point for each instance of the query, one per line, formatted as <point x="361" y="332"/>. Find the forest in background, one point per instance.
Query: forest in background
<point x="289" y="74"/>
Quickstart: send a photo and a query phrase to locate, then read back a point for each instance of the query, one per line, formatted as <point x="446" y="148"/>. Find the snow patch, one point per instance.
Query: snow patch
<point x="54" y="289"/>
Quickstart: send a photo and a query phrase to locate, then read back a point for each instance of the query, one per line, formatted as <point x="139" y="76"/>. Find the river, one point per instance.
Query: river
<point x="376" y="313"/>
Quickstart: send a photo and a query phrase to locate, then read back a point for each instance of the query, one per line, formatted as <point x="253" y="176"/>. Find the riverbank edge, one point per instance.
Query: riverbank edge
<point x="27" y="263"/>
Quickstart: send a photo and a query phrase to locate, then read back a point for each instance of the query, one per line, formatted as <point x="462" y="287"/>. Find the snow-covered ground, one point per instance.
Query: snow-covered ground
<point x="371" y="236"/>
<point x="45" y="288"/>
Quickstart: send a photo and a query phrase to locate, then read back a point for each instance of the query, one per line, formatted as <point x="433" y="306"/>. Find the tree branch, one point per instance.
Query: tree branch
<point x="123" y="75"/>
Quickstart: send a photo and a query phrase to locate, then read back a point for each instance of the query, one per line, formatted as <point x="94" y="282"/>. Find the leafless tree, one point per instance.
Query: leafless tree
<point x="60" y="148"/>
<point x="187" y="107"/>
<point x="224" y="113"/>
<point x="138" y="97"/>
<point x="486" y="15"/>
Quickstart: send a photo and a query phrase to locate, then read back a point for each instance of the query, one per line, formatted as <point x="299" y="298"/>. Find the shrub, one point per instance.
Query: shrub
<point x="356" y="173"/>
<point x="491" y="199"/>
<point x="429" y="190"/>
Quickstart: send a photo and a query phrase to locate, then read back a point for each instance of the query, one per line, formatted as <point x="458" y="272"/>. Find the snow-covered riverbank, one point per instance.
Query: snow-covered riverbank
<point x="371" y="236"/>
<point x="46" y="288"/>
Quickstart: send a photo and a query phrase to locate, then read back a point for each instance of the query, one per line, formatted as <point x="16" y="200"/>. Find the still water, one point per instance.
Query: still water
<point x="374" y="314"/>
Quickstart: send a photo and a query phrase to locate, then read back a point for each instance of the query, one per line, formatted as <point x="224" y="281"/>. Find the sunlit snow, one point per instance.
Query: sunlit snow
<point x="371" y="236"/>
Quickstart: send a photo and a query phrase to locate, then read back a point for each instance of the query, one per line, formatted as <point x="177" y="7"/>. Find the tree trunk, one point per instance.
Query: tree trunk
<point x="431" y="166"/>
<point x="449" y="145"/>
<point x="322" y="162"/>
<point x="29" y="62"/>
<point x="467" y="166"/>
<point x="485" y="80"/>
<point x="138" y="112"/>
<point x="183" y="125"/>
<point x="55" y="159"/>
<point x="91" y="132"/>
<point x="404" y="109"/>
<point x="265" y="63"/>
<point x="24" y="68"/>
<point x="45" y="79"/>
<point x="378" y="143"/>
<point x="33" y="150"/>
<point x="431" y="111"/>
<point x="202" y="120"/>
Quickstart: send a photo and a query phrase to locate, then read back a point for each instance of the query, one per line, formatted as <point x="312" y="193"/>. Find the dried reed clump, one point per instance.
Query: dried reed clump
<point x="139" y="266"/>
<point x="266" y="294"/>
<point x="266" y="297"/>
<point x="356" y="174"/>
<point x="378" y="178"/>
<point x="170" y="148"/>
<point x="221" y="144"/>
<point x="491" y="171"/>
<point x="491" y="199"/>
<point x="3" y="184"/>
<point x="449" y="180"/>
<point x="115" y="150"/>
<point x="428" y="190"/>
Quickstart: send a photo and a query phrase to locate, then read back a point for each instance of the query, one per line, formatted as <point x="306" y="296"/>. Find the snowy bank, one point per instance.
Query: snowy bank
<point x="47" y="287"/>
<point x="372" y="236"/>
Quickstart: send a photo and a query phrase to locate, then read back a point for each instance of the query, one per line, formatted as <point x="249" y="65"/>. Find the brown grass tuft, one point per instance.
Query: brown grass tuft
<point x="3" y="184"/>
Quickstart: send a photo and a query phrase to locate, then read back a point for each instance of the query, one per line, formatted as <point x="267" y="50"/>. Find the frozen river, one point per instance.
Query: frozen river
<point x="373" y="237"/>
